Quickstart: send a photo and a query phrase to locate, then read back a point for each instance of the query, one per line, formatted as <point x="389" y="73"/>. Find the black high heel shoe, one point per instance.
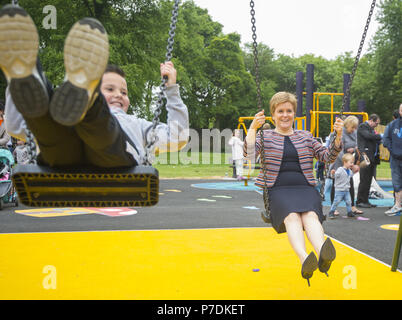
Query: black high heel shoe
<point x="309" y="266"/>
<point x="327" y="255"/>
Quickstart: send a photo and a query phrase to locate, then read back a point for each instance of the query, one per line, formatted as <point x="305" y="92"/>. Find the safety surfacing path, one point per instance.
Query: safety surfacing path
<point x="195" y="244"/>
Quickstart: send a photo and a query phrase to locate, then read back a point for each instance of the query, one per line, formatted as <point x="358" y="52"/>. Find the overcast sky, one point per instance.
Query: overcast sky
<point x="323" y="27"/>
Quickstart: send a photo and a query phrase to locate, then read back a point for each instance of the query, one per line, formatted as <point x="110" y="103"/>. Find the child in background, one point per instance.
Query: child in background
<point x="20" y="153"/>
<point x="342" y="185"/>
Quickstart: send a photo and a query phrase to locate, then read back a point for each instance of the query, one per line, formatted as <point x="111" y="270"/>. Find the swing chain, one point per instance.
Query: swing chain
<point x="347" y="93"/>
<point x="155" y="121"/>
<point x="259" y="102"/>
<point x="255" y="52"/>
<point x="31" y="145"/>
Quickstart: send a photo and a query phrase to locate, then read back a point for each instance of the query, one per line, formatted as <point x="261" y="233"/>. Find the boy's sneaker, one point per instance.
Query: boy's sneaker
<point x="19" y="44"/>
<point x="331" y="215"/>
<point x="351" y="215"/>
<point x="86" y="54"/>
<point x="393" y="211"/>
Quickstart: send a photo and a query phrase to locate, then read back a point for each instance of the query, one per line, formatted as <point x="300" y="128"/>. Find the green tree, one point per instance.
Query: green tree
<point x="268" y="71"/>
<point x="387" y="53"/>
<point x="226" y="71"/>
<point x="195" y="32"/>
<point x="216" y="75"/>
<point x="137" y="34"/>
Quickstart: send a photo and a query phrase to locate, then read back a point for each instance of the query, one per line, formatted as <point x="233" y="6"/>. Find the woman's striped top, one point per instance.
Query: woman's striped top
<point x="307" y="148"/>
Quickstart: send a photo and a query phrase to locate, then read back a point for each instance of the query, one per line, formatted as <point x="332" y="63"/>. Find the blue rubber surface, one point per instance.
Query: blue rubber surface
<point x="240" y="186"/>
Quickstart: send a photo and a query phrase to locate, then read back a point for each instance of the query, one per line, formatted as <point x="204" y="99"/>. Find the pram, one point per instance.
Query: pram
<point x="7" y="190"/>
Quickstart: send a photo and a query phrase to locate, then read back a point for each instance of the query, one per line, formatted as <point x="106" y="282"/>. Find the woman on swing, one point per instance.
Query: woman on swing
<point x="294" y="203"/>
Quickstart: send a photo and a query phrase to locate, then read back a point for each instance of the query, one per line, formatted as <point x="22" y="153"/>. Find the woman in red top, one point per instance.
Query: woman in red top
<point x="294" y="203"/>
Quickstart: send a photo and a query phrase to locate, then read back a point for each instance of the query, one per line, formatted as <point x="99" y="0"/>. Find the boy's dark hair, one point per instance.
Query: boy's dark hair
<point x="374" y="117"/>
<point x="2" y="105"/>
<point x="396" y="114"/>
<point x="115" y="69"/>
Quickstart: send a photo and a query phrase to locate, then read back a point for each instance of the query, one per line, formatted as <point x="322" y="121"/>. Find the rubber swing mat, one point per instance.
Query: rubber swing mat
<point x="205" y="264"/>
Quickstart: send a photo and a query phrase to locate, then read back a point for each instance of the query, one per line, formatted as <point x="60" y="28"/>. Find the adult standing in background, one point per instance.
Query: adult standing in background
<point x="367" y="142"/>
<point x="393" y="142"/>
<point x="349" y="140"/>
<point x="237" y="152"/>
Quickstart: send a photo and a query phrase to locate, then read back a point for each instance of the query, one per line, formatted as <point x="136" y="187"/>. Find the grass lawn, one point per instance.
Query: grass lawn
<point x="216" y="165"/>
<point x="383" y="171"/>
<point x="196" y="164"/>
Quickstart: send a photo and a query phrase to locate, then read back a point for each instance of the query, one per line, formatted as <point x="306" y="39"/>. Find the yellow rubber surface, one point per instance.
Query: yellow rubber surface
<point x="241" y="263"/>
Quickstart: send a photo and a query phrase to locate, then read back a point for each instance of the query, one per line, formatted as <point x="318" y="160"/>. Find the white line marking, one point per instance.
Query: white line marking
<point x="365" y="254"/>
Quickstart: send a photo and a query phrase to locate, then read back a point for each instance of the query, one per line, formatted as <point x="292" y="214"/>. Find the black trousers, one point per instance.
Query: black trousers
<point x="98" y="140"/>
<point x="366" y="175"/>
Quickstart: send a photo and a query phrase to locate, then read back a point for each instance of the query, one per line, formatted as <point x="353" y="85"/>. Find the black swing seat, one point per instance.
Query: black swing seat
<point x="42" y="186"/>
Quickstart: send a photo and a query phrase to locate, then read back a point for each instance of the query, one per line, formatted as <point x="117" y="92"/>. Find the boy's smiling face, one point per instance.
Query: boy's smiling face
<point x="114" y="89"/>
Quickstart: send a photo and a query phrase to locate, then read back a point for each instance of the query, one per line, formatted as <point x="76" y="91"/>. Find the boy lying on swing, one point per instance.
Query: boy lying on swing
<point x="85" y="120"/>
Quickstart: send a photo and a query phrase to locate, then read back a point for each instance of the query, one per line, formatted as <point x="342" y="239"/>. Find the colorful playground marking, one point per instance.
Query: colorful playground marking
<point x="230" y="185"/>
<point x="390" y="227"/>
<point x="357" y="218"/>
<point x="172" y="190"/>
<point x="223" y="197"/>
<point x="239" y="186"/>
<point x="63" y="212"/>
<point x="115" y="212"/>
<point x="205" y="264"/>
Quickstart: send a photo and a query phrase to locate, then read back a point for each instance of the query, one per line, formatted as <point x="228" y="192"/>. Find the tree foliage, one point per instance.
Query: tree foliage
<point x="386" y="59"/>
<point x="216" y="73"/>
